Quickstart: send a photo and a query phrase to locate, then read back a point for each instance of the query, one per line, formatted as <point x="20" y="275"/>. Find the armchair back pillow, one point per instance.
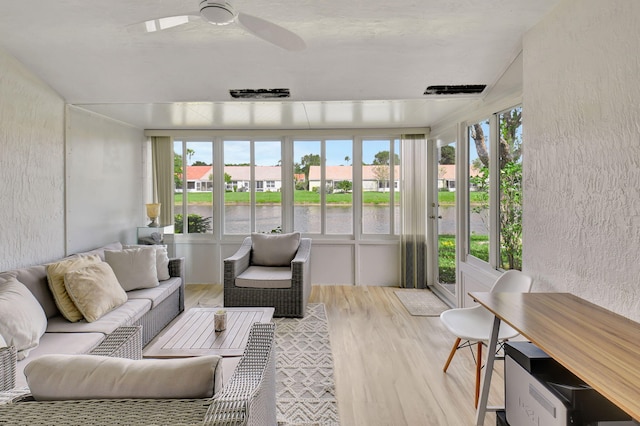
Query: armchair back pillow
<point x="67" y="377"/>
<point x="274" y="249"/>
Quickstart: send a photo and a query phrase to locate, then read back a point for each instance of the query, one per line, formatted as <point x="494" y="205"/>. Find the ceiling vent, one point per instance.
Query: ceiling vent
<point x="462" y="89"/>
<point x="260" y="93"/>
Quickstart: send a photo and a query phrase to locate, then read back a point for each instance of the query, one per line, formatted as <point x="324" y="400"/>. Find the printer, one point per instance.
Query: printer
<point x="539" y="391"/>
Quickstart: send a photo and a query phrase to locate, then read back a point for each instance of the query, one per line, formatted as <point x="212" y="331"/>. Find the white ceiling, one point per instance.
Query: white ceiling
<point x="367" y="62"/>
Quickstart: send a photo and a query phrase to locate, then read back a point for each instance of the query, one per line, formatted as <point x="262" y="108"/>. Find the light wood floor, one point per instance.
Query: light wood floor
<point x="388" y="364"/>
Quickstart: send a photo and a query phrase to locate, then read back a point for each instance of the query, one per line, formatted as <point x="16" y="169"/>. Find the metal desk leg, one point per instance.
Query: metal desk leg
<point x="488" y="372"/>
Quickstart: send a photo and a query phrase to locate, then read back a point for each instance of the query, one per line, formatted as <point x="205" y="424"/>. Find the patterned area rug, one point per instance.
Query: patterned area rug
<point x="421" y="303"/>
<point x="305" y="390"/>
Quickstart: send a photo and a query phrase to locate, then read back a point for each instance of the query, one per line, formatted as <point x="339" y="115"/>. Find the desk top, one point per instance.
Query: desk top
<point x="599" y="346"/>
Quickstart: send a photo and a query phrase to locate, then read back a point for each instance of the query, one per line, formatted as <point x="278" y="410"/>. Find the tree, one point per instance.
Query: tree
<point x="447" y="155"/>
<point x="177" y="167"/>
<point x="200" y="163"/>
<point x="344" y="185"/>
<point x="382" y="158"/>
<point x="382" y="173"/>
<point x="305" y="165"/>
<point x="227" y="178"/>
<point x="347" y="159"/>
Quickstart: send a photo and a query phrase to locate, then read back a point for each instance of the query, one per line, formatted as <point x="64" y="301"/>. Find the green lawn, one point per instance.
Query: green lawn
<point x="447" y="254"/>
<point x="301" y="197"/>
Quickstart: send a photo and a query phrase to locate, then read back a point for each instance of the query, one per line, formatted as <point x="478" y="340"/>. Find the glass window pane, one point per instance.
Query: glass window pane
<point x="268" y="180"/>
<point x="446" y="214"/>
<point x="307" y="211"/>
<point x="195" y="183"/>
<point x="376" y="194"/>
<point x="339" y="184"/>
<point x="396" y="187"/>
<point x="479" y="144"/>
<point x="510" y="125"/>
<point x="237" y="196"/>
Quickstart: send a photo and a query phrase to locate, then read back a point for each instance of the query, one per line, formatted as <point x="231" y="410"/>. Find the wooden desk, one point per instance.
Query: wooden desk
<point x="600" y="347"/>
<point x="193" y="333"/>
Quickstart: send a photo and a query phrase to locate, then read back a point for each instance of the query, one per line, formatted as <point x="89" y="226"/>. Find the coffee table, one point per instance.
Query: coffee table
<point x="193" y="333"/>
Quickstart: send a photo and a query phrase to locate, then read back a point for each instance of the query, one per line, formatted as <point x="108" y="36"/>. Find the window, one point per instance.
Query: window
<point x="495" y="189"/>
<point x="510" y="221"/>
<point x="479" y="165"/>
<point x="323" y="177"/>
<point x="193" y="171"/>
<point x="380" y="200"/>
<point x="253" y="179"/>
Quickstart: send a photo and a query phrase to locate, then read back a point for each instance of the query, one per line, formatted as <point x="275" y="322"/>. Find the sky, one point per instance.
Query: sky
<point x="268" y="153"/>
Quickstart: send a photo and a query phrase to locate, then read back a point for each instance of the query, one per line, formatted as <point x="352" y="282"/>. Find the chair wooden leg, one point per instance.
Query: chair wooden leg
<point x="453" y="352"/>
<point x="478" y="371"/>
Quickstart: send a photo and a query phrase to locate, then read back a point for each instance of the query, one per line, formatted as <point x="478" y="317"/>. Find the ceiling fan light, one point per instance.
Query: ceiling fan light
<point x="217" y="12"/>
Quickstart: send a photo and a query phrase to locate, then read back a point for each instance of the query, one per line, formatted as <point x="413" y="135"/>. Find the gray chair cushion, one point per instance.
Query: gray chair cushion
<point x="265" y="277"/>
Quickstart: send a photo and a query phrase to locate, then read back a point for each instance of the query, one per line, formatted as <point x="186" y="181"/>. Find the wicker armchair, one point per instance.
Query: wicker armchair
<point x="249" y="398"/>
<point x="288" y="302"/>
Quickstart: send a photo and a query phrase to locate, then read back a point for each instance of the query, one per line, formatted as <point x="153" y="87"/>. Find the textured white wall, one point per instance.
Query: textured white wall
<point x="581" y="99"/>
<point x="31" y="168"/>
<point x="104" y="166"/>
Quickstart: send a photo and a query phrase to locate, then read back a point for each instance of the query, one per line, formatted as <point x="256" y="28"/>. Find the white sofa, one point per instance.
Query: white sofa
<point x="151" y="308"/>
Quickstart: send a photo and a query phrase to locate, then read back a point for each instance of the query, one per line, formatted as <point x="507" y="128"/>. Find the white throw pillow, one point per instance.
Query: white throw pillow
<point x="95" y="290"/>
<point x="274" y="249"/>
<point x="162" y="259"/>
<point x="3" y="343"/>
<point x="65" y="377"/>
<point x="22" y="319"/>
<point x="135" y="268"/>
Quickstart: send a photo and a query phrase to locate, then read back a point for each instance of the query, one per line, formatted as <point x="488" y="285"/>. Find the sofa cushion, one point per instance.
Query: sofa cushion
<point x="157" y="294"/>
<point x="135" y="268"/>
<point x="22" y="319"/>
<point x="274" y="249"/>
<point x="115" y="246"/>
<point x="3" y="343"/>
<point x="162" y="259"/>
<point x="265" y="277"/>
<point x="72" y="377"/>
<point x="95" y="290"/>
<point x="127" y="314"/>
<point x="55" y="277"/>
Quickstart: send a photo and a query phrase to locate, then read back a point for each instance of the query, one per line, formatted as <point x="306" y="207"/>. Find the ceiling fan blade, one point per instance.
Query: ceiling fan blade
<point x="271" y="32"/>
<point x="164" y="23"/>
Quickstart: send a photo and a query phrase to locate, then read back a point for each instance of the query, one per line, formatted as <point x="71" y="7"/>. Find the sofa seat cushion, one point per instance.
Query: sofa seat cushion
<point x="126" y="314"/>
<point x="59" y="343"/>
<point x="73" y="377"/>
<point x="157" y="294"/>
<point x="265" y="277"/>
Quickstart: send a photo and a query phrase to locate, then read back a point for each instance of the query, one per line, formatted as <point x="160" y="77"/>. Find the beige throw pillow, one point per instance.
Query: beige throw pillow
<point x="135" y="268"/>
<point x="55" y="278"/>
<point x="274" y="249"/>
<point x="22" y="319"/>
<point x="66" y="377"/>
<point x="95" y="290"/>
<point x="162" y="259"/>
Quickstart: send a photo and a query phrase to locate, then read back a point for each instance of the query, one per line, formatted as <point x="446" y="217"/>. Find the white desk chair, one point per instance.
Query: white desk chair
<point x="474" y="324"/>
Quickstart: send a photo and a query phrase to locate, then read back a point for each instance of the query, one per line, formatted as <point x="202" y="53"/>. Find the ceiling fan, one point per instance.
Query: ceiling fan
<point x="221" y="12"/>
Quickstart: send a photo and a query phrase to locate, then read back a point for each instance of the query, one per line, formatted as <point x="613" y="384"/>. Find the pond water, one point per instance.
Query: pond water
<point x="375" y="219"/>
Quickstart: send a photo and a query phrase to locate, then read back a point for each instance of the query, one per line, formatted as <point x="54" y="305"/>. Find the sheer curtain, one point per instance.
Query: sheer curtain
<point x="413" y="250"/>
<point x="162" y="166"/>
